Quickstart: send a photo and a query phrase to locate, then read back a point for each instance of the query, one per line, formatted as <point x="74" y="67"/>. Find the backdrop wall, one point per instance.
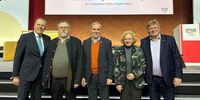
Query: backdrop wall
<point x="114" y="26"/>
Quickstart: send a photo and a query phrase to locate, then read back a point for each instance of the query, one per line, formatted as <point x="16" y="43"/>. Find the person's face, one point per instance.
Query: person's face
<point x="96" y="28"/>
<point x="63" y="30"/>
<point x="39" y="26"/>
<point x="153" y="31"/>
<point x="128" y="40"/>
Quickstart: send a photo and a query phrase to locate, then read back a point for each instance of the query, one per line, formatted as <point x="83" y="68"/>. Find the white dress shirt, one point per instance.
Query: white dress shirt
<point x="155" y="53"/>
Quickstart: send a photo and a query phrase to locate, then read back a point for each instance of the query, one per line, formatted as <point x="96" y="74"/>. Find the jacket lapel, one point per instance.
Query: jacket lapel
<point x="122" y="56"/>
<point x="149" y="47"/>
<point x="69" y="51"/>
<point x="162" y="44"/>
<point x="162" y="51"/>
<point x="89" y="43"/>
<point x="100" y="47"/>
<point x="35" y="43"/>
<point x="148" y="42"/>
<point x="44" y="42"/>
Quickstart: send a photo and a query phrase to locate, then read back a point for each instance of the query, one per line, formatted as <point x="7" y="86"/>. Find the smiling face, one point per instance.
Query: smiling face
<point x="95" y="30"/>
<point x="128" y="40"/>
<point x="39" y="26"/>
<point x="153" y="31"/>
<point x="153" y="28"/>
<point x="63" y="29"/>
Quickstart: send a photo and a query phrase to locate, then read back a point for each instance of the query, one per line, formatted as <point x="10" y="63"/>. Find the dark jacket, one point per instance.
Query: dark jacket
<point x="105" y="60"/>
<point x="170" y="60"/>
<point x="74" y="49"/>
<point x="27" y="59"/>
<point x="137" y="66"/>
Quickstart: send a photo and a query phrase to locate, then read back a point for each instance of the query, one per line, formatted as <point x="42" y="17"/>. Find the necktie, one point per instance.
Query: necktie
<point x="40" y="46"/>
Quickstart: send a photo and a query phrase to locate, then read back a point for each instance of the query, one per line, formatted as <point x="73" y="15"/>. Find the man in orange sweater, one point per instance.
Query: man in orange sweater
<point x="98" y="64"/>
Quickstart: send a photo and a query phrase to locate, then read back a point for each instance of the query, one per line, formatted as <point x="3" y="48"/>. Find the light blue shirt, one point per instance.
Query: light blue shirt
<point x="155" y="53"/>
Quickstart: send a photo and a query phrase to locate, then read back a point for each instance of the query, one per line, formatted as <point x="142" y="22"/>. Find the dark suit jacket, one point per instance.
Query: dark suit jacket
<point x="105" y="60"/>
<point x="170" y="60"/>
<point x="27" y="59"/>
<point x="74" y="49"/>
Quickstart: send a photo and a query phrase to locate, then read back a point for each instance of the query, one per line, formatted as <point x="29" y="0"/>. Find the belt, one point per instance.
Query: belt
<point x="157" y="76"/>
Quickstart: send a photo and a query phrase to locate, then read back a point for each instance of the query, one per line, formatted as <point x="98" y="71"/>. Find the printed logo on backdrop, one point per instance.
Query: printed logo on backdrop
<point x="191" y="32"/>
<point x="164" y="10"/>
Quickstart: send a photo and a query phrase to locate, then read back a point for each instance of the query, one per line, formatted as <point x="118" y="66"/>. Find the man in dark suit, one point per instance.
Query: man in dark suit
<point x="98" y="64"/>
<point x="63" y="64"/>
<point x="27" y="68"/>
<point x="164" y="68"/>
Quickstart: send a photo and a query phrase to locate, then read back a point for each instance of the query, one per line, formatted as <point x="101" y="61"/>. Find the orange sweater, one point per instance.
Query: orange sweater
<point x="94" y="57"/>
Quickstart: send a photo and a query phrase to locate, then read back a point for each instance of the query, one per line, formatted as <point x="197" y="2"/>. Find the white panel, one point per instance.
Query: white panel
<point x="18" y="9"/>
<point x="196" y="11"/>
<point x="191" y="32"/>
<point x="108" y="7"/>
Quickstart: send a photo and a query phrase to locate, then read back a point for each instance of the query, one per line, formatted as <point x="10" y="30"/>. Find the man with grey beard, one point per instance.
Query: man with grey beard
<point x="63" y="64"/>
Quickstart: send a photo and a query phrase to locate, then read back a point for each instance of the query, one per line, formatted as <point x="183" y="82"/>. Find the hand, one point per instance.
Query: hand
<point x="109" y="81"/>
<point x="119" y="88"/>
<point x="177" y="82"/>
<point x="130" y="76"/>
<point x="76" y="85"/>
<point x="83" y="82"/>
<point x="43" y="85"/>
<point x="16" y="81"/>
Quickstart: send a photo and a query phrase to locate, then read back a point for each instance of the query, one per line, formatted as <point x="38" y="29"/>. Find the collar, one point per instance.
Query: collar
<point x="158" y="38"/>
<point x="37" y="35"/>
<point x="66" y="39"/>
<point x="98" y="39"/>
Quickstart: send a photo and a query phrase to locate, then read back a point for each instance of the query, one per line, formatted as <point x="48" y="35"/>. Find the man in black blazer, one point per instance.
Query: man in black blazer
<point x="98" y="64"/>
<point x="164" y="68"/>
<point x="28" y="59"/>
<point x="63" y="64"/>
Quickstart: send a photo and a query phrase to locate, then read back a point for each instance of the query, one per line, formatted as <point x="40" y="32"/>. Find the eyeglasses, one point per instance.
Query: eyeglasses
<point x="63" y="27"/>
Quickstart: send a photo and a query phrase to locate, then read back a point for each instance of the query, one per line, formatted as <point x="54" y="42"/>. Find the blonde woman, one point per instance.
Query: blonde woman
<point x="129" y="66"/>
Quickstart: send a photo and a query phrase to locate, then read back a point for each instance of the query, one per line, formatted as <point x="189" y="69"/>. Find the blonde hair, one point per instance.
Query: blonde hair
<point x="153" y="22"/>
<point x="126" y="33"/>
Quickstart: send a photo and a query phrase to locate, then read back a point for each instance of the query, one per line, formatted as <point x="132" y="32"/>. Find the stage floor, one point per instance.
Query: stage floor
<point x="7" y="66"/>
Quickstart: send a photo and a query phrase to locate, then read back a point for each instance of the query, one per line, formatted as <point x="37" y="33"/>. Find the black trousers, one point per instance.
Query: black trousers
<point x="158" y="88"/>
<point x="59" y="88"/>
<point x="95" y="88"/>
<point x="33" y="87"/>
<point x="129" y="92"/>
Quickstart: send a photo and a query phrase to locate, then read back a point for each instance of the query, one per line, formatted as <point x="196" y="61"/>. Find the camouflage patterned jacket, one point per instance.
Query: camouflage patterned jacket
<point x="138" y="66"/>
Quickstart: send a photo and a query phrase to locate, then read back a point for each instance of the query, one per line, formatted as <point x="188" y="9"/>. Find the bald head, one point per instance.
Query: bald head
<point x="95" y="29"/>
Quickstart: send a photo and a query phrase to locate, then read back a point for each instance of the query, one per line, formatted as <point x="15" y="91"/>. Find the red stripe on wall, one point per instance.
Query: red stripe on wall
<point x="35" y="11"/>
